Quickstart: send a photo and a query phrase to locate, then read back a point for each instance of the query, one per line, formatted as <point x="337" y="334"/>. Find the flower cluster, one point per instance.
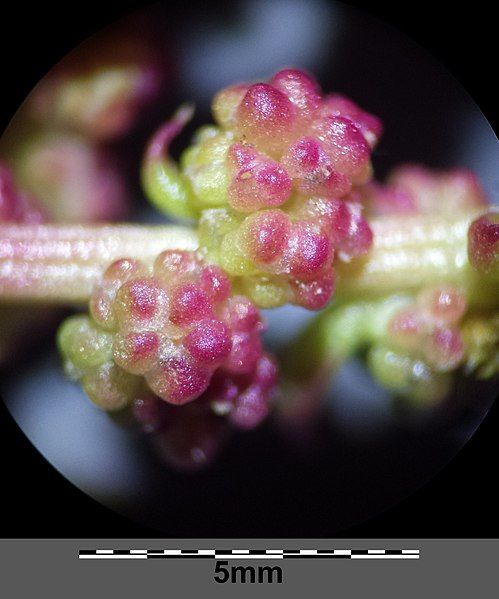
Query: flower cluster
<point x="280" y="188"/>
<point x="270" y="183"/>
<point x="58" y="142"/>
<point x="415" y="189"/>
<point x="170" y="326"/>
<point x="76" y="180"/>
<point x="190" y="436"/>
<point x="422" y="340"/>
<point x="99" y="89"/>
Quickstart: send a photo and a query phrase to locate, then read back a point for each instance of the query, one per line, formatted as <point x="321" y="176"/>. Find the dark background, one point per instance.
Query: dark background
<point x="461" y="501"/>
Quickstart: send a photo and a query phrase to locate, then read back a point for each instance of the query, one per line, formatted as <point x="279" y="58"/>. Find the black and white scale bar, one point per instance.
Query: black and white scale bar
<point x="244" y="554"/>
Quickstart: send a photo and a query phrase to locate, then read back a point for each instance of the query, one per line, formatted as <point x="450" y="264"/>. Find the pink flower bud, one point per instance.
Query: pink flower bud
<point x="258" y="181"/>
<point x="483" y="243"/>
<point x="300" y="87"/>
<point x="369" y="125"/>
<point x="266" y="118"/>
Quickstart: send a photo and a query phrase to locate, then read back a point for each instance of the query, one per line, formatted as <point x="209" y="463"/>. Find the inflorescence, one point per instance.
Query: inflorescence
<point x="286" y="210"/>
<point x="271" y="185"/>
<point x="169" y="329"/>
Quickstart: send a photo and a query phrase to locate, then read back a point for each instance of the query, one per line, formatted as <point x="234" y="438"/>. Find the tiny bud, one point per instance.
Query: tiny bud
<point x="345" y="146"/>
<point x="312" y="171"/>
<point x="242" y="315"/>
<point x="314" y="295"/>
<point x="141" y="302"/>
<point x="258" y="181"/>
<point x="311" y="250"/>
<point x="136" y="352"/>
<point x="177" y="379"/>
<point x="300" y="87"/>
<point x="266" y="117"/>
<point x="369" y="125"/>
<point x="266" y="235"/>
<point x="407" y="327"/>
<point x="245" y="353"/>
<point x="359" y="237"/>
<point x="251" y="407"/>
<point x="175" y="263"/>
<point x="483" y="243"/>
<point x="189" y="304"/>
<point x="209" y="342"/>
<point x="225" y="103"/>
<point x="444" y="304"/>
<point x="444" y="349"/>
<point x="215" y="283"/>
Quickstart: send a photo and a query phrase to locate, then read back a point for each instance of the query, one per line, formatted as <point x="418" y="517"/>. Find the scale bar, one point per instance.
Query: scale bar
<point x="249" y="554"/>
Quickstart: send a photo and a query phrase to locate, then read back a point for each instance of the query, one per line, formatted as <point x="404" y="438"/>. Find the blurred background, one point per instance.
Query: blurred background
<point x="363" y="457"/>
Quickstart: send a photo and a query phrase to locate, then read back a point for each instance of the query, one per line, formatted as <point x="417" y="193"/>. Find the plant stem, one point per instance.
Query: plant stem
<point x="62" y="263"/>
<point x="411" y="252"/>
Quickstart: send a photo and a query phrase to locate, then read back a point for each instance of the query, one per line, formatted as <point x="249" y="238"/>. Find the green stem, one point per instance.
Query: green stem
<point x="61" y="264"/>
<point x="412" y="252"/>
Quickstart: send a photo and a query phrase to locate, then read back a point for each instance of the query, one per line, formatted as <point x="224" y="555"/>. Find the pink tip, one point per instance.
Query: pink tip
<point x="242" y="316"/>
<point x="444" y="304"/>
<point x="300" y="87"/>
<point x="314" y="295"/>
<point x="382" y="200"/>
<point x="369" y="125"/>
<point x="266" y="372"/>
<point x="209" y="342"/>
<point x="312" y="171"/>
<point x="444" y="349"/>
<point x="142" y="297"/>
<point x="245" y="353"/>
<point x="267" y="235"/>
<point x="178" y="380"/>
<point x="215" y="283"/>
<point x="438" y="191"/>
<point x="483" y="242"/>
<point x="116" y="275"/>
<point x="344" y="144"/>
<point x="258" y="181"/>
<point x="136" y="352"/>
<point x="143" y="345"/>
<point x="311" y="250"/>
<point x="407" y="327"/>
<point x="122" y="270"/>
<point x="464" y="187"/>
<point x="158" y="146"/>
<point x="175" y="263"/>
<point x="189" y="304"/>
<point x="251" y="407"/>
<point x="265" y="117"/>
<point x="331" y="214"/>
<point x="304" y="157"/>
<point x="359" y="237"/>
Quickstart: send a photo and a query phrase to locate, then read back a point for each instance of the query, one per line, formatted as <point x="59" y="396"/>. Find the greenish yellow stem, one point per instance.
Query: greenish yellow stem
<point x="412" y="252"/>
<point x="60" y="264"/>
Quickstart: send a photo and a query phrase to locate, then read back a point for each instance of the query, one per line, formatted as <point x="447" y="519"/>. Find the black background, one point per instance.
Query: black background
<point x="35" y="500"/>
